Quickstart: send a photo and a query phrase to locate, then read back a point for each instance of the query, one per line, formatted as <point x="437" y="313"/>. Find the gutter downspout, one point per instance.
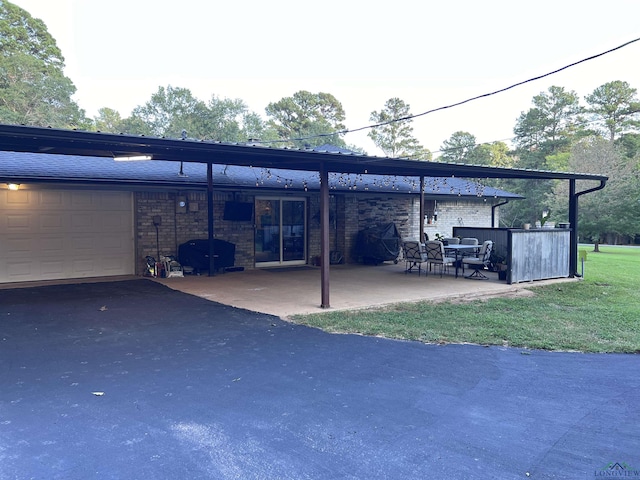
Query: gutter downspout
<point x="573" y="222"/>
<point x="493" y="212"/>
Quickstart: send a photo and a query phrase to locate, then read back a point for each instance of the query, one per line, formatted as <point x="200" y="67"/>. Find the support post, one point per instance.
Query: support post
<point x="212" y="265"/>
<point x="573" y="224"/>
<point x="324" y="236"/>
<point x="421" y="209"/>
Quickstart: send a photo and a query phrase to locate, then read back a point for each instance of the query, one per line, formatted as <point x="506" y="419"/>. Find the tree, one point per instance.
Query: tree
<point x="33" y="88"/>
<point x="630" y="143"/>
<point x="551" y="124"/>
<point x="169" y="112"/>
<point x="108" y="120"/>
<point x="172" y="111"/>
<point x="495" y="154"/>
<point x="542" y="134"/>
<point x="307" y="119"/>
<point x="21" y="34"/>
<point x="615" y="106"/>
<point x="30" y="96"/>
<point x="613" y="210"/>
<point x="254" y="127"/>
<point x="458" y="148"/>
<point x="461" y="147"/>
<point x="393" y="133"/>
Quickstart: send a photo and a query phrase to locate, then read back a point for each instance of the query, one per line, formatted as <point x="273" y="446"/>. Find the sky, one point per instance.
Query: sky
<point x="364" y="52"/>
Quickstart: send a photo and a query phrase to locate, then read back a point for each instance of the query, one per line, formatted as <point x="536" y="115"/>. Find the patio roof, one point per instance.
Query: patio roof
<point x="95" y="144"/>
<point x="74" y="142"/>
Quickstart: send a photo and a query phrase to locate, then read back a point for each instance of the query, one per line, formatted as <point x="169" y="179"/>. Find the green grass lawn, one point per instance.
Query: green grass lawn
<point x="600" y="313"/>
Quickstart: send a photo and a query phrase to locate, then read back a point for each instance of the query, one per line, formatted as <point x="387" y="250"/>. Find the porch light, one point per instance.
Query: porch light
<point x="133" y="158"/>
<point x="13" y="186"/>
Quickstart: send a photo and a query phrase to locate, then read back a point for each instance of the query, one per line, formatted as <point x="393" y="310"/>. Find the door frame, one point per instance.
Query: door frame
<point x="281" y="261"/>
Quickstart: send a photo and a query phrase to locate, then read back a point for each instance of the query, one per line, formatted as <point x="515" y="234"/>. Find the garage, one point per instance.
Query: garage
<point x="62" y="234"/>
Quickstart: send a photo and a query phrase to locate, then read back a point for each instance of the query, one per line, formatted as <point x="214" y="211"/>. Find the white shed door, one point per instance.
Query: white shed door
<point x="57" y="234"/>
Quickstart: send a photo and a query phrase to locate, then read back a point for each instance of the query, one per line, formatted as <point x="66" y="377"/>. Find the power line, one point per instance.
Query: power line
<point x="410" y="117"/>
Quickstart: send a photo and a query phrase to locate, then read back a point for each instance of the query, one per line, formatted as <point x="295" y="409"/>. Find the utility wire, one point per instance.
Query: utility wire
<point x="410" y="117"/>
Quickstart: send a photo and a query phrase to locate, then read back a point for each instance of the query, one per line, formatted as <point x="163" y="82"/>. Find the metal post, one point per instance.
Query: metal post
<point x="212" y="266"/>
<point x="324" y="236"/>
<point x="421" y="209"/>
<point x="573" y="224"/>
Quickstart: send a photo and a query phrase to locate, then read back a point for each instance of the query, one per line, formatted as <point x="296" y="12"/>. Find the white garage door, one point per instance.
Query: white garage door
<point x="56" y="234"/>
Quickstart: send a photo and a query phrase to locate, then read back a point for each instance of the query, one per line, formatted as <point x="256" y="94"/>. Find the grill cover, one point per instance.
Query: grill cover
<point x="379" y="244"/>
<point x="195" y="253"/>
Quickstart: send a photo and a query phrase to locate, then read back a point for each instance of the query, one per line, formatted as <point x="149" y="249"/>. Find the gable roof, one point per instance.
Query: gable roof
<point x="26" y="167"/>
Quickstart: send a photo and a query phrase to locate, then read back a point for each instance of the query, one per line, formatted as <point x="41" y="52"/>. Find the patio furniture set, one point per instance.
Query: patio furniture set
<point x="452" y="252"/>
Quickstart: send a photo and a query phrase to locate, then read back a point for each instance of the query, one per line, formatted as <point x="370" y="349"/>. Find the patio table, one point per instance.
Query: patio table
<point x="458" y="251"/>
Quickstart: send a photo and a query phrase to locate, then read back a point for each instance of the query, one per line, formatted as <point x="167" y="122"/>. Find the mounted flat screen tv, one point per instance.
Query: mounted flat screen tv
<point x="238" y="211"/>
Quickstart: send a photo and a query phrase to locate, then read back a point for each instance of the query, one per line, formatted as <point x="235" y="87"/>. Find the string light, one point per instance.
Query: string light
<point x="355" y="182"/>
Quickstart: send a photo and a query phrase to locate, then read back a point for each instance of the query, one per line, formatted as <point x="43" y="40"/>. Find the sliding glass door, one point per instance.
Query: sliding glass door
<point x="281" y="235"/>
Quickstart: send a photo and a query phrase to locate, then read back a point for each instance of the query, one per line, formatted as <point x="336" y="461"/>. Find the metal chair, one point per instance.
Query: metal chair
<point x="469" y="241"/>
<point x="414" y="255"/>
<point x="436" y="255"/>
<point x="479" y="263"/>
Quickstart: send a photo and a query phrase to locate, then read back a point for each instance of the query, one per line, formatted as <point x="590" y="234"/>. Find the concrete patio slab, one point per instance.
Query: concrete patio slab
<point x="289" y="291"/>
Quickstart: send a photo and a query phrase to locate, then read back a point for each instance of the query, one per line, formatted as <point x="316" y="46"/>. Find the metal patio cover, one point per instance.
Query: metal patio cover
<point x="74" y="142"/>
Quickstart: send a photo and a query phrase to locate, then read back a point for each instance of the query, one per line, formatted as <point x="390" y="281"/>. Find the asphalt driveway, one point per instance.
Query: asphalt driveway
<point x="133" y="380"/>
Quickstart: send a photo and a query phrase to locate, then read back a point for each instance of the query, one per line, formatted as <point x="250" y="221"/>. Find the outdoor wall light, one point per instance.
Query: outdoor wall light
<point x="13" y="186"/>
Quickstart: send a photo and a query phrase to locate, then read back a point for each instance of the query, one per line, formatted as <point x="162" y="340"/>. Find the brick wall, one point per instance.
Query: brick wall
<point x="460" y="213"/>
<point x="349" y="215"/>
<point x="378" y="210"/>
<point x="404" y="211"/>
<point x="177" y="228"/>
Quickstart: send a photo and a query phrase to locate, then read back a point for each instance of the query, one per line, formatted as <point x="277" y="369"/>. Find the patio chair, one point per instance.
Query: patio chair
<point x="469" y="241"/>
<point x="436" y="255"/>
<point x="479" y="263"/>
<point x="414" y="255"/>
